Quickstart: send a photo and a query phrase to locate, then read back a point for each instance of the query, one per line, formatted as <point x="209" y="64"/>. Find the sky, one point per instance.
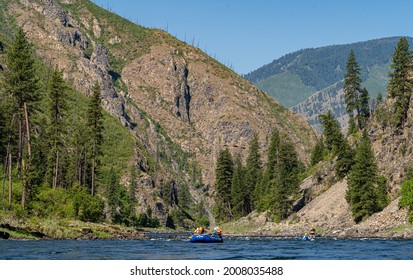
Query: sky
<point x="245" y="35"/>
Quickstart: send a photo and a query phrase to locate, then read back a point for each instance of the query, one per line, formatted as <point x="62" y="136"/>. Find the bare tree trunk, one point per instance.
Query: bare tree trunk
<point x="10" y="180"/>
<point x="4" y="179"/>
<point x="93" y="176"/>
<point x="79" y="170"/>
<point x="84" y="171"/>
<point x="26" y="184"/>
<point x="29" y="149"/>
<point x="56" y="170"/>
<point x="93" y="168"/>
<point x="20" y="152"/>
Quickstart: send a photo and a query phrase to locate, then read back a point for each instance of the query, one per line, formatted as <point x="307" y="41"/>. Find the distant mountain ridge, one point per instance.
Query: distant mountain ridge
<point x="312" y="70"/>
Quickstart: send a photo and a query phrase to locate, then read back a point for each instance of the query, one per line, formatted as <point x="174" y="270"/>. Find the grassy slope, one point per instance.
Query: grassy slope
<point x="377" y="80"/>
<point x="287" y="88"/>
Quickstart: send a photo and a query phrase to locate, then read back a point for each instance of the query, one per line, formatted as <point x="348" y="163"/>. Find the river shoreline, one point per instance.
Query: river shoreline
<point x="121" y="233"/>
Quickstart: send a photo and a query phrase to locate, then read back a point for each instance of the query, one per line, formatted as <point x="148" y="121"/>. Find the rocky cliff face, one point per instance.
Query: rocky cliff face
<point x="328" y="99"/>
<point x="181" y="105"/>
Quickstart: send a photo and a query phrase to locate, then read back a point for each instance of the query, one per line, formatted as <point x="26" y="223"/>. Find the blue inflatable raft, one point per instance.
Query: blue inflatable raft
<point x="205" y="238"/>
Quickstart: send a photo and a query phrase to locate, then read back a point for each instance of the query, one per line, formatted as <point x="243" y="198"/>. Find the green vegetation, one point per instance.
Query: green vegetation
<point x="377" y="79"/>
<point x="287" y="88"/>
<point x="406" y="192"/>
<point x="223" y="183"/>
<point x="317" y="154"/>
<point x="320" y="68"/>
<point x="51" y="176"/>
<point x="400" y="85"/>
<point x="252" y="188"/>
<point x="366" y="191"/>
<point x="352" y="89"/>
<point x="336" y="144"/>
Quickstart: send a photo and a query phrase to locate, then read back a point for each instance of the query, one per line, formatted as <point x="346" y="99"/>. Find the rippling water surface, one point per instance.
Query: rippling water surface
<point x="166" y="247"/>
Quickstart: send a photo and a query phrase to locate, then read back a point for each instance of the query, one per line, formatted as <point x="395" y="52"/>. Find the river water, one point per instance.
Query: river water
<point x="163" y="247"/>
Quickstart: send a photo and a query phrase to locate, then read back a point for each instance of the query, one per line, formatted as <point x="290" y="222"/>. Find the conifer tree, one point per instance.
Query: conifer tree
<point x="400" y="85"/>
<point x="95" y="125"/>
<point x="21" y="82"/>
<point x="337" y="144"/>
<point x="223" y="181"/>
<point x="318" y="152"/>
<point x="238" y="194"/>
<point x="57" y="124"/>
<point x="286" y="183"/>
<point x="352" y="83"/>
<point x="345" y="159"/>
<point x="364" y="194"/>
<point x="253" y="174"/>
<point x="263" y="190"/>
<point x="364" y="108"/>
<point x="333" y="138"/>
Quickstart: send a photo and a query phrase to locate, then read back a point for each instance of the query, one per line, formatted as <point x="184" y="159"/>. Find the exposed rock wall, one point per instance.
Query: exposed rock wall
<point x="61" y="42"/>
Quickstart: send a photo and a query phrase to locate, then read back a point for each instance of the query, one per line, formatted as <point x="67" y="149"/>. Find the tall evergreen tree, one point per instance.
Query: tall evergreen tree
<point x="285" y="184"/>
<point x="95" y="125"/>
<point x="263" y="190"/>
<point x="364" y="108"/>
<point x="352" y="83"/>
<point x="400" y="85"/>
<point x="57" y="127"/>
<point x="253" y="173"/>
<point x="337" y="144"/>
<point x="21" y="82"/>
<point x="238" y="195"/>
<point x="364" y="194"/>
<point x="223" y="181"/>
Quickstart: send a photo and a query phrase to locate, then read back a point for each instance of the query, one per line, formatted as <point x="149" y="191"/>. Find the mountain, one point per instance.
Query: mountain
<point x="180" y="106"/>
<point x="309" y="80"/>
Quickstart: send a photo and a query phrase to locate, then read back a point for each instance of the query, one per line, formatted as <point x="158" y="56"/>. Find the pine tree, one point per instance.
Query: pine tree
<point x="337" y="144"/>
<point x="352" y="83"/>
<point x="345" y="159"/>
<point x="364" y="108"/>
<point x="21" y="82"/>
<point x="333" y="138"/>
<point x="263" y="190"/>
<point x="57" y="127"/>
<point x="285" y="184"/>
<point x="253" y="173"/>
<point x="223" y="182"/>
<point x="364" y="194"/>
<point x="95" y="125"/>
<point x="318" y="152"/>
<point x="238" y="194"/>
<point x="400" y="85"/>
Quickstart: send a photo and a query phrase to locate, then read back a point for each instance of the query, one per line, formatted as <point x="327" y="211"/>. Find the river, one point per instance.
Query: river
<point x="162" y="247"/>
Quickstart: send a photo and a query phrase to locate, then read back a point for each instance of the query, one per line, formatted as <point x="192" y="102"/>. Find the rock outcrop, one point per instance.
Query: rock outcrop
<point x="182" y="106"/>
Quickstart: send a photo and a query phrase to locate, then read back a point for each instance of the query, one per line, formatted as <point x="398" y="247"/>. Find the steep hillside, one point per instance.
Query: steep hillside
<point x="181" y="105"/>
<point x="310" y="79"/>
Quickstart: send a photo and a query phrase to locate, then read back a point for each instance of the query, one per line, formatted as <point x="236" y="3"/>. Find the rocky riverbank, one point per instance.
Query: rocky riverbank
<point x="68" y="230"/>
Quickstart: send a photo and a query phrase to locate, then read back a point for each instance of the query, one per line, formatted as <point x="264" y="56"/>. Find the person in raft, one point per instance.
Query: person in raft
<point x="217" y="233"/>
<point x="200" y="230"/>
<point x="312" y="232"/>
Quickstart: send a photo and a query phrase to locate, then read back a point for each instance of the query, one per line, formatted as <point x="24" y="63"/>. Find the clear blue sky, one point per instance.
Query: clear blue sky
<point x="248" y="34"/>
